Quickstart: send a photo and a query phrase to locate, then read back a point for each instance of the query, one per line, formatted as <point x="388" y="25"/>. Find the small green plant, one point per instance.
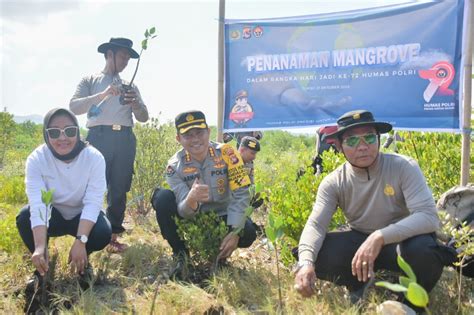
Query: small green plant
<point x="274" y="232"/>
<point x="149" y="34"/>
<point x="414" y="292"/>
<point x="203" y="235"/>
<point x="47" y="199"/>
<point x="253" y="190"/>
<point x="463" y="237"/>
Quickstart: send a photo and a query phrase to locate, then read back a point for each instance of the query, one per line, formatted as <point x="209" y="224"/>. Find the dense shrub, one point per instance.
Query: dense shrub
<point x="202" y="235"/>
<point x="293" y="191"/>
<point x="155" y="145"/>
<point x="13" y="190"/>
<point x="10" y="240"/>
<point x="439" y="156"/>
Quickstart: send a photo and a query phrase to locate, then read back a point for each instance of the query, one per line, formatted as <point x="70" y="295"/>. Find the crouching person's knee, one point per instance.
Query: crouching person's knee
<point x="249" y="234"/>
<point x="100" y="235"/>
<point x="162" y="199"/>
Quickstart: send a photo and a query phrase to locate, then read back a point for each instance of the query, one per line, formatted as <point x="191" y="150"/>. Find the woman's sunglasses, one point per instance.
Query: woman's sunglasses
<point x="354" y="141"/>
<point x="55" y="133"/>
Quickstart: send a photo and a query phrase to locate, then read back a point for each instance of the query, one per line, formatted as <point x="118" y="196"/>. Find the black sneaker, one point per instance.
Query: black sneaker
<point x="180" y="269"/>
<point x="33" y="285"/>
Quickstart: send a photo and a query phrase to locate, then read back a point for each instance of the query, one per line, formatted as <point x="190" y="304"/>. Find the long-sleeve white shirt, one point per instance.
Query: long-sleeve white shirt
<point x="79" y="186"/>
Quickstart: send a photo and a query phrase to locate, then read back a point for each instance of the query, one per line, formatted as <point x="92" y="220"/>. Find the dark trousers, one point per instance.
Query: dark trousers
<point x="99" y="236"/>
<point x="118" y="149"/>
<point x="164" y="203"/>
<point x="423" y="253"/>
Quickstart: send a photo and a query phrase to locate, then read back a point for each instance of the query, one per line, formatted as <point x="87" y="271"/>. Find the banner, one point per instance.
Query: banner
<point x="401" y="62"/>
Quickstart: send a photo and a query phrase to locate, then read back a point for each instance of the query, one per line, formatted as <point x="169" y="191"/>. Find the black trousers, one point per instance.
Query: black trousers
<point x="118" y="149"/>
<point x="99" y="236"/>
<point x="164" y="203"/>
<point x="425" y="256"/>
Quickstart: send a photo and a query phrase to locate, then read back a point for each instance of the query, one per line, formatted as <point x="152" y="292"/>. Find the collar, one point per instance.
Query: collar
<point x="367" y="173"/>
<point x="189" y="159"/>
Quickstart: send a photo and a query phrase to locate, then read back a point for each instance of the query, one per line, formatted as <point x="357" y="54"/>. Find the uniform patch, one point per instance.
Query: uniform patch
<point x="221" y="186"/>
<point x="170" y="171"/>
<point x="388" y="190"/>
<point x="237" y="175"/>
<point x="189" y="170"/>
<point x="219" y="165"/>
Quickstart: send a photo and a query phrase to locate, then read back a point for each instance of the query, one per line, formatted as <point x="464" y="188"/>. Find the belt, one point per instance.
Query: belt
<point x="111" y="127"/>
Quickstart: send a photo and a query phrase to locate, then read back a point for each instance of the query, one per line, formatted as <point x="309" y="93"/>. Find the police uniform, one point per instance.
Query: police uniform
<point x="223" y="171"/>
<point x="228" y="182"/>
<point x="110" y="131"/>
<point x="252" y="144"/>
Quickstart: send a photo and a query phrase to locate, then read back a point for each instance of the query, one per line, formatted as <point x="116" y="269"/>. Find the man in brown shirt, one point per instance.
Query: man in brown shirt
<point x="389" y="209"/>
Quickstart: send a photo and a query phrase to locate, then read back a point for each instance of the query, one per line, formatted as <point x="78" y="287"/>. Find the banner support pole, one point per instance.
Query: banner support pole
<point x="220" y="70"/>
<point x="467" y="97"/>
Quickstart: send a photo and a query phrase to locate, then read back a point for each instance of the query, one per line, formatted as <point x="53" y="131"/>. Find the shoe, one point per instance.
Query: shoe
<point x="33" y="285"/>
<point x="115" y="246"/>
<point x="358" y="295"/>
<point x="180" y="270"/>
<point x="86" y="280"/>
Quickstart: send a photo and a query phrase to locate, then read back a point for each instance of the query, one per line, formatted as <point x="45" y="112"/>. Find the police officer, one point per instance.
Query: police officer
<point x="204" y="176"/>
<point x="249" y="147"/>
<point x="238" y="136"/>
<point x="110" y="125"/>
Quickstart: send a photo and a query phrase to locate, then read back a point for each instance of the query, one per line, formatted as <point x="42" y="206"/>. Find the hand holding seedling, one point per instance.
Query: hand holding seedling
<point x="304" y="280"/>
<point x="131" y="98"/>
<point x="39" y="260"/>
<point x="228" y="245"/>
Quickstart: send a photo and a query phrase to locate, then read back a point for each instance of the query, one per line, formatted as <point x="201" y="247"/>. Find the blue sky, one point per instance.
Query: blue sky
<point x="46" y="47"/>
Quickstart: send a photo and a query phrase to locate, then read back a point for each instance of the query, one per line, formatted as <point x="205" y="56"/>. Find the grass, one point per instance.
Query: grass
<point x="127" y="283"/>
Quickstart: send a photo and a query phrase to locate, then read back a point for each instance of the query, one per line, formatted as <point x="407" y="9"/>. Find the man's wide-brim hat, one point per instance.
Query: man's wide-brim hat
<point x="190" y="120"/>
<point x="116" y="43"/>
<point x="358" y="118"/>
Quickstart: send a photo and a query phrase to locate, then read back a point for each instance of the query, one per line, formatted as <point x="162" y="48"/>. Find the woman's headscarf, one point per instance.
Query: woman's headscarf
<point x="79" y="143"/>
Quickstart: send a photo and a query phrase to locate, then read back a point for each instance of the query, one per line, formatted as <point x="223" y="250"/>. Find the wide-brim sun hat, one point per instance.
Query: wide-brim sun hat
<point x="118" y="42"/>
<point x="358" y="118"/>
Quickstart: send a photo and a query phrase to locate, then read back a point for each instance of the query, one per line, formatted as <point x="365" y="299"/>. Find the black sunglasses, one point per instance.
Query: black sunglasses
<point x="55" y="133"/>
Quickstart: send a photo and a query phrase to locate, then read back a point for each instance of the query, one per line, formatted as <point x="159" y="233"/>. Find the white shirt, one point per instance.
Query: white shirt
<point x="79" y="186"/>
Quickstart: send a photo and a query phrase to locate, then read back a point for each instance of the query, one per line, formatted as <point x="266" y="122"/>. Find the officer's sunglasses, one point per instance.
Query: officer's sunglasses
<point x="354" y="141"/>
<point x="55" y="133"/>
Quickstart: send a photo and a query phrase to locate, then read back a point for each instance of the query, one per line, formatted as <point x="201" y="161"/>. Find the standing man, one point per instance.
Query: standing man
<point x="110" y="123"/>
<point x="203" y="176"/>
<point x="388" y="206"/>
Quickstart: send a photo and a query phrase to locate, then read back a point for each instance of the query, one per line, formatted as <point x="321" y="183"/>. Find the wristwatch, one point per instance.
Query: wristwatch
<point x="301" y="264"/>
<point x="83" y="238"/>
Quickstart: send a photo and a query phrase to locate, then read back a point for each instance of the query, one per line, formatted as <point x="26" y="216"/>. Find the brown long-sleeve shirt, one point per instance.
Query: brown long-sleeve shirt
<point x="391" y="196"/>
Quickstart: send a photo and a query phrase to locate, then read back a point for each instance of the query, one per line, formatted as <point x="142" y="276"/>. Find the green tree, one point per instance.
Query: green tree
<point x="7" y="130"/>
